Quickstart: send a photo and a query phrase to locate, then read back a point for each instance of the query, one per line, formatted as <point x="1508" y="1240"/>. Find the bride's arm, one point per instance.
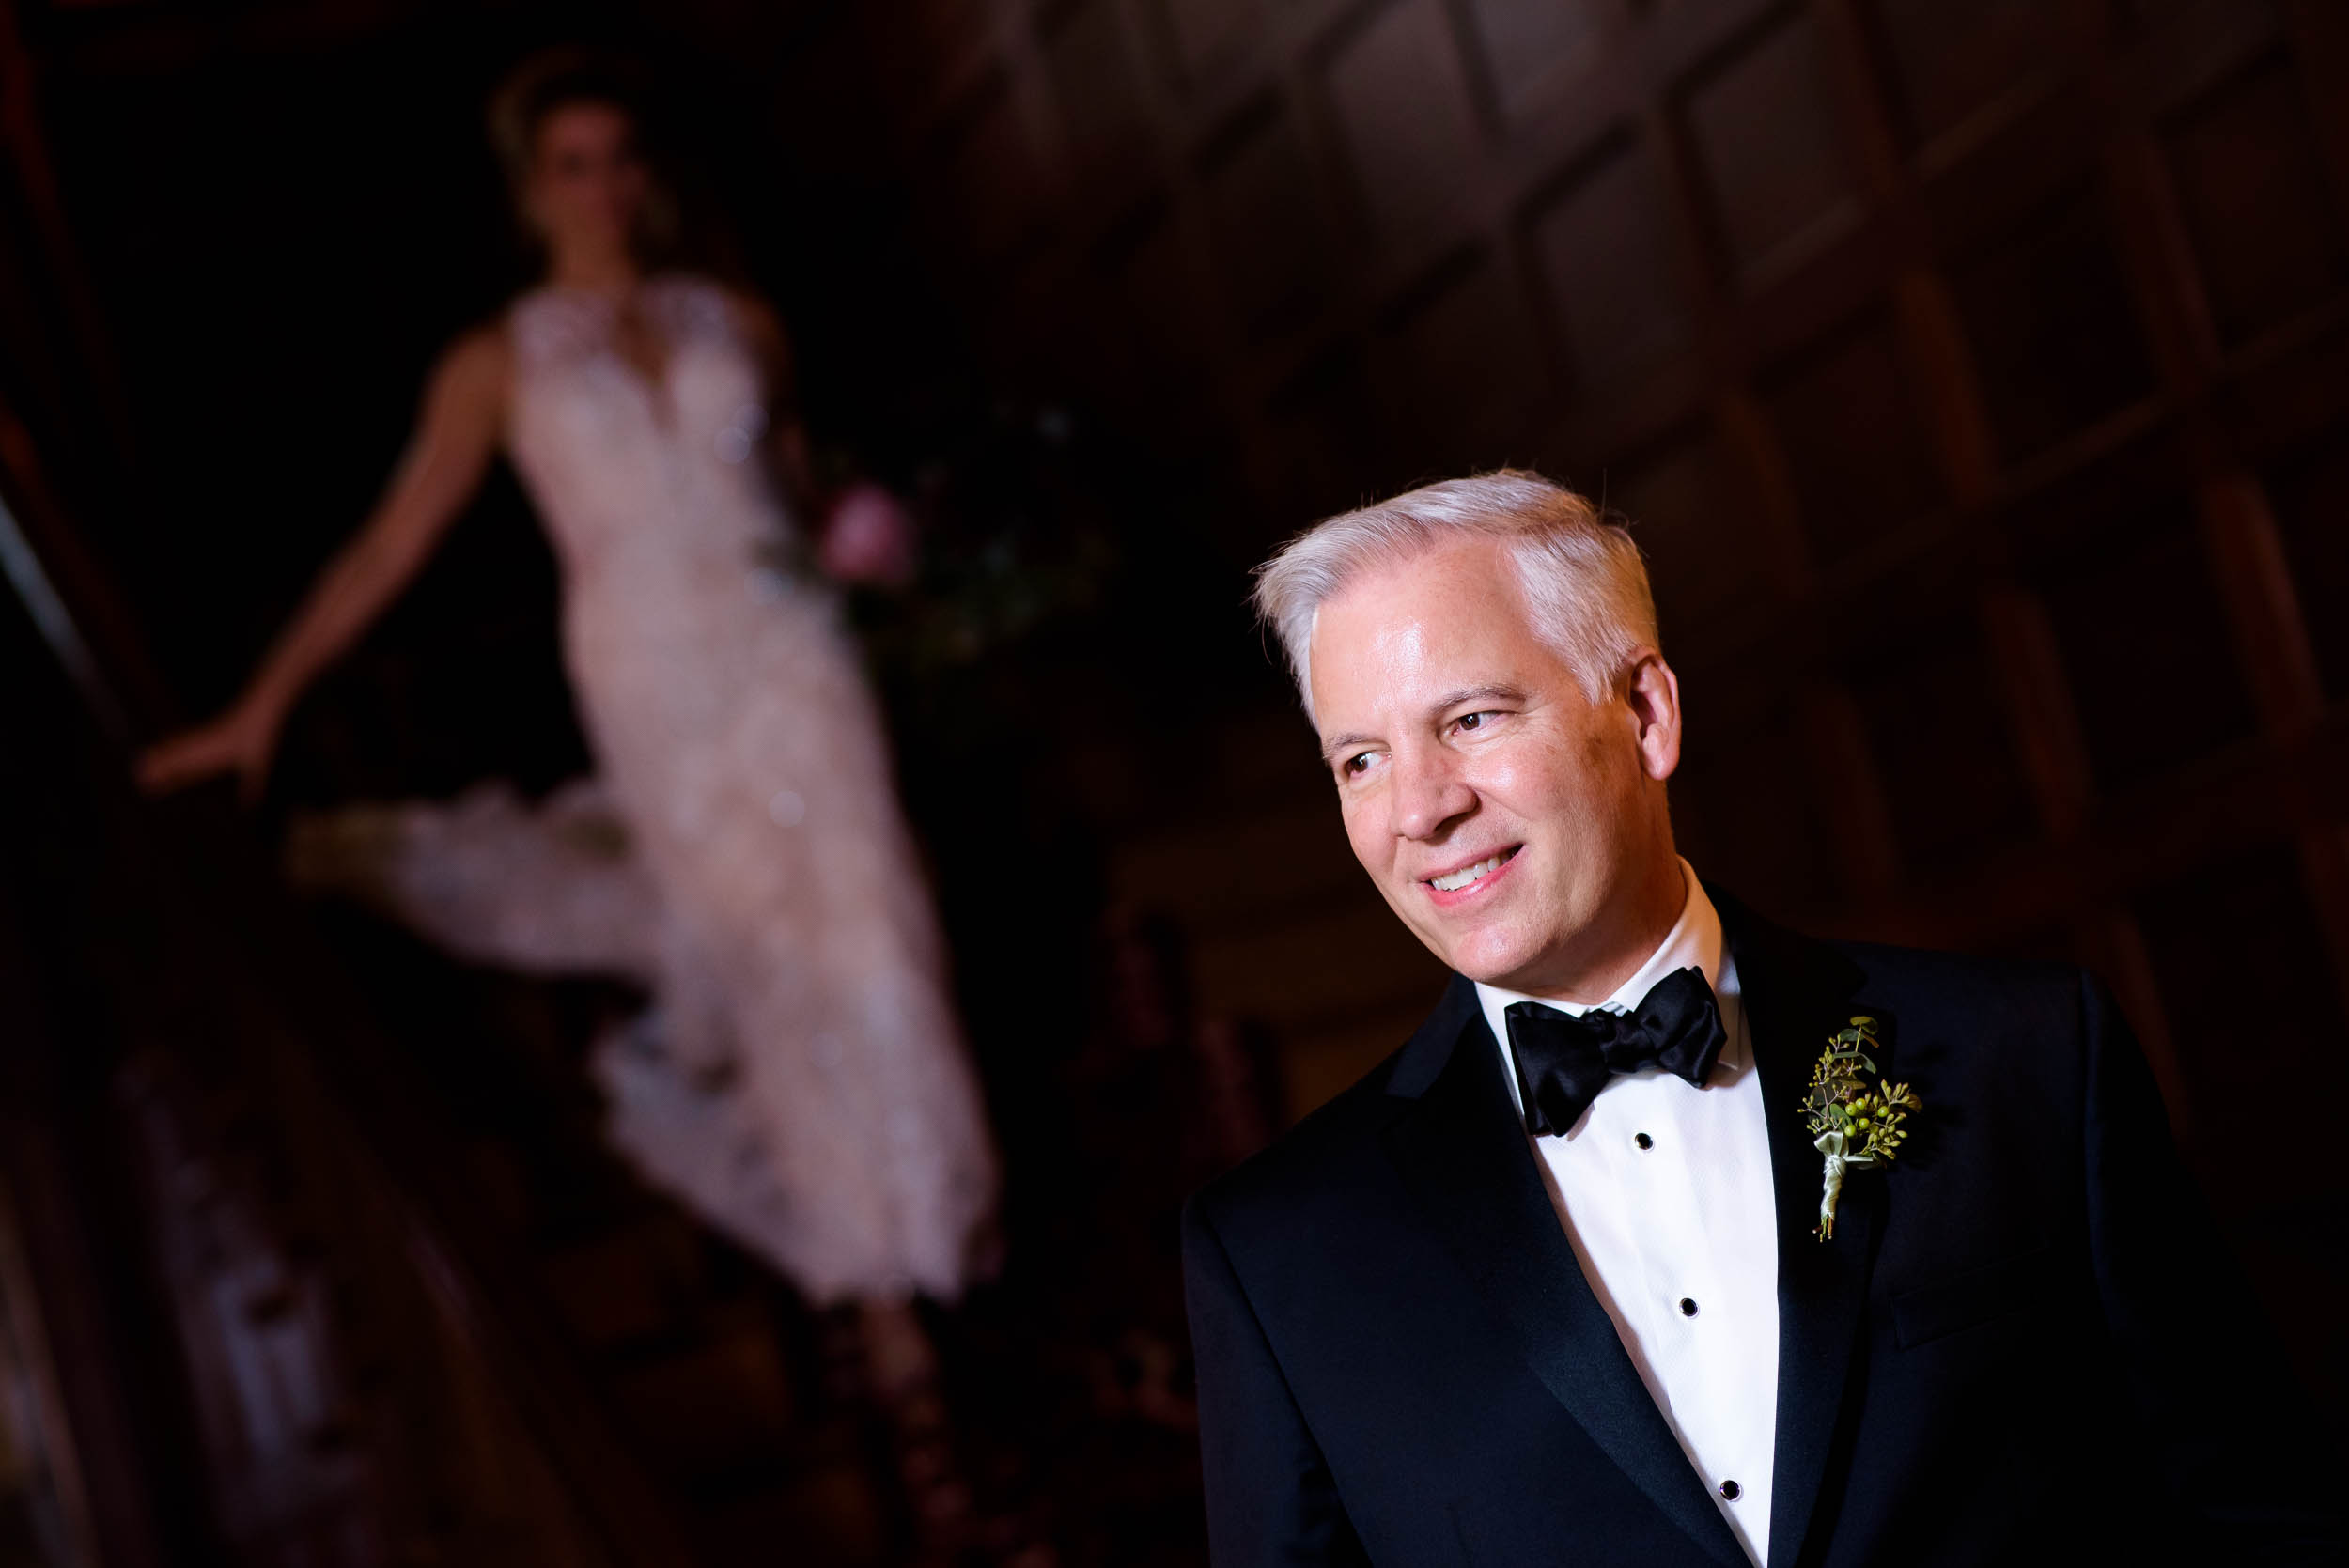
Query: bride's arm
<point x="456" y="435"/>
<point x="786" y="437"/>
<point x="861" y="533"/>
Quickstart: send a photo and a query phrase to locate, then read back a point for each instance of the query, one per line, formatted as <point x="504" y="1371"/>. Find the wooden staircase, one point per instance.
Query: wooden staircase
<point x="742" y="1405"/>
<point x="408" y="1309"/>
<point x="385" y="1296"/>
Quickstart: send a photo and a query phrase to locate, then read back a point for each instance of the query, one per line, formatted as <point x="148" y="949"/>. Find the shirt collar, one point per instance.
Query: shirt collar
<point x="1695" y="939"/>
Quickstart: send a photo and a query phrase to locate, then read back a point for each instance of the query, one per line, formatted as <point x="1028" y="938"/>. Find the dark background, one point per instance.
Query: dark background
<point x="1976" y="376"/>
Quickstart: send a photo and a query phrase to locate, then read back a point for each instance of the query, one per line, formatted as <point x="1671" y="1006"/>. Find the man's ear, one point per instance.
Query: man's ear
<point x="1653" y="694"/>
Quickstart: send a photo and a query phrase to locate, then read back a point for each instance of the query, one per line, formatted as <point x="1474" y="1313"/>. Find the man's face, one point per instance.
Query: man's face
<point x="1503" y="816"/>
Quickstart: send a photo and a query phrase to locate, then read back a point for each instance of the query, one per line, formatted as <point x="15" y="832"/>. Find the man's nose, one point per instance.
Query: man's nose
<point x="1428" y="793"/>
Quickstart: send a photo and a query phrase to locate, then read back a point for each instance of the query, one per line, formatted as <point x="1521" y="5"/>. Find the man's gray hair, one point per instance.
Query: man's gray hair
<point x="1586" y="589"/>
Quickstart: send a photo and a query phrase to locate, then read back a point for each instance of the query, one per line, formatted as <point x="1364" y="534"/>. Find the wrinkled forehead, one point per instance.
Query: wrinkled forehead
<point x="1402" y="632"/>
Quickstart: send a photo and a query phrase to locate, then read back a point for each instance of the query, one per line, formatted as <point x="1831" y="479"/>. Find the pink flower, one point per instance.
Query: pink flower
<point x="868" y="538"/>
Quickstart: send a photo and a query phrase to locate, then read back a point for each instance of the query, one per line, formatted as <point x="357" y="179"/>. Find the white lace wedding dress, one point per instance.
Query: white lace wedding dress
<point x="800" y="1080"/>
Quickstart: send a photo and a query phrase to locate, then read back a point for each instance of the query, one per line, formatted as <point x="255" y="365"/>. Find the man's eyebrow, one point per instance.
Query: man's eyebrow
<point x="1449" y="701"/>
<point x="1475" y="693"/>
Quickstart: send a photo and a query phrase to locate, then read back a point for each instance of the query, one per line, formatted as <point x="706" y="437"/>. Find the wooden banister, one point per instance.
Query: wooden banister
<point x="454" y="1392"/>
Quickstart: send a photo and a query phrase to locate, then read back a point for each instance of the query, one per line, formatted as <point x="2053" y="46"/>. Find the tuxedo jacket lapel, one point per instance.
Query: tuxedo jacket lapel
<point x="1796" y="993"/>
<point x="1463" y="1156"/>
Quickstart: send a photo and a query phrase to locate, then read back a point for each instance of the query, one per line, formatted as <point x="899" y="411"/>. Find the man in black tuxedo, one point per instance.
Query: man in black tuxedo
<point x="1553" y="1284"/>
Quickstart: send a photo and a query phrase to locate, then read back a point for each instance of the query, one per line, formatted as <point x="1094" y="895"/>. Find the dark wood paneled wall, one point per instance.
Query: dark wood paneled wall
<point x="1976" y="371"/>
<point x="1976" y="374"/>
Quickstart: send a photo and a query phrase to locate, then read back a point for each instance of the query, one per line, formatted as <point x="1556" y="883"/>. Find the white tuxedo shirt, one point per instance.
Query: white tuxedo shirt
<point x="1664" y="1190"/>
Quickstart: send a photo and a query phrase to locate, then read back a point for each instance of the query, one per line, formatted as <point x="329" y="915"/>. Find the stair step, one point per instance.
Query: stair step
<point x="496" y="1180"/>
<point x="638" y="1282"/>
<point x="713" y="1405"/>
<point x="826" y="1513"/>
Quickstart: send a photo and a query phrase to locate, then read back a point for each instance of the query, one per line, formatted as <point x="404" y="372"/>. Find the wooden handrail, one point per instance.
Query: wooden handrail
<point x="259" y="1012"/>
<point x="363" y="1135"/>
<point x="374" y="1116"/>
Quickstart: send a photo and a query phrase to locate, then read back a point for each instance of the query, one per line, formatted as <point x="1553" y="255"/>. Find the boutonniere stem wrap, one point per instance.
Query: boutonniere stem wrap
<point x="1854" y="1117"/>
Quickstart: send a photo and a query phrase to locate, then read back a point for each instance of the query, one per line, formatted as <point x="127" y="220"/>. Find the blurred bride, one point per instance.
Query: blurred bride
<point x="801" y="1079"/>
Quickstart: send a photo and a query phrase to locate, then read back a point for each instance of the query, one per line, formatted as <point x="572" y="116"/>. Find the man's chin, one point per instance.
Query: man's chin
<point x="1500" y="963"/>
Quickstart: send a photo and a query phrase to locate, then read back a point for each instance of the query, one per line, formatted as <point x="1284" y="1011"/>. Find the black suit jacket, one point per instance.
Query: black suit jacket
<point x="2022" y="1344"/>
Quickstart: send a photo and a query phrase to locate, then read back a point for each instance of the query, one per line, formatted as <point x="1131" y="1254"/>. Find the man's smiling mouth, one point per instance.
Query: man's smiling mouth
<point x="1453" y="881"/>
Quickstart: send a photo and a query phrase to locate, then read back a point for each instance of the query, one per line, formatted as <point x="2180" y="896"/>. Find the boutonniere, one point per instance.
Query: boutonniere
<point x="1854" y="1120"/>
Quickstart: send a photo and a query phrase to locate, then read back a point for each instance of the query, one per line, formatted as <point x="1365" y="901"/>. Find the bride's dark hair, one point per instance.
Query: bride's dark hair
<point x="566" y="77"/>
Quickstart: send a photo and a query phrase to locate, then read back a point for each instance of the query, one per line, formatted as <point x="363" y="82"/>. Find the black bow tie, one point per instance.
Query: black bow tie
<point x="1564" y="1061"/>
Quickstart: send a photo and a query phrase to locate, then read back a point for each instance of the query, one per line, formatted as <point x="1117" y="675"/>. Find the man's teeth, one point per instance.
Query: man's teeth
<point x="1467" y="874"/>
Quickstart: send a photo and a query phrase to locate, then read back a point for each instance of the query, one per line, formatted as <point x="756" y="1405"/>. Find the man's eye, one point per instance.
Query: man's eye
<point x="1472" y="720"/>
<point x="1356" y="764"/>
